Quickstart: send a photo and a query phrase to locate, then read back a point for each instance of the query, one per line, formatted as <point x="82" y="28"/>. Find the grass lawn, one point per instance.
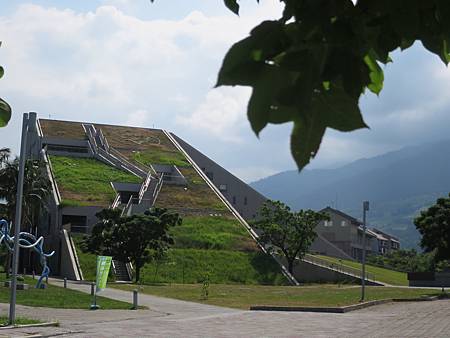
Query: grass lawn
<point x="57" y="297"/>
<point x="86" y="181"/>
<point x="18" y="321"/>
<point x="244" y="296"/>
<point x="383" y="275"/>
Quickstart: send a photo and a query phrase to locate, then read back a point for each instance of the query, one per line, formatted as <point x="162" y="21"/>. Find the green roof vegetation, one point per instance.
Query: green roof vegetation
<point x="160" y="156"/>
<point x="205" y="245"/>
<point x="86" y="181"/>
<point x="62" y="129"/>
<point x="244" y="296"/>
<point x="207" y="232"/>
<point x="197" y="196"/>
<point x="380" y="274"/>
<point x="221" y="266"/>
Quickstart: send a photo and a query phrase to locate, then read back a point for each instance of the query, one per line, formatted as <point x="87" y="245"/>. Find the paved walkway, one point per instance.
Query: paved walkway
<point x="172" y="318"/>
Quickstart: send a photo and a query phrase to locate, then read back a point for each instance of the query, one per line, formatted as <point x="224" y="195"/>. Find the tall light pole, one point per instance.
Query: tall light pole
<point x="363" y="279"/>
<point x="18" y="221"/>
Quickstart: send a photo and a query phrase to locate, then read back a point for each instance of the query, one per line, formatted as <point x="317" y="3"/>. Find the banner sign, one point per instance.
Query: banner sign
<point x="103" y="265"/>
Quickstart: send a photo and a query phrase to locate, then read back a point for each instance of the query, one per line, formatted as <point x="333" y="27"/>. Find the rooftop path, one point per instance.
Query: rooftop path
<point x="172" y="318"/>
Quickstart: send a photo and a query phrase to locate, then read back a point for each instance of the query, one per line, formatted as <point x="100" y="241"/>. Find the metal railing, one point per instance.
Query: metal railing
<point x="145" y="185"/>
<point x="116" y="202"/>
<point x="127" y="207"/>
<point x="339" y="267"/>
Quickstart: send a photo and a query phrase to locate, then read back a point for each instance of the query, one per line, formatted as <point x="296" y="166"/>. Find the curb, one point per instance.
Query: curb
<point x="342" y="309"/>
<point x="48" y="324"/>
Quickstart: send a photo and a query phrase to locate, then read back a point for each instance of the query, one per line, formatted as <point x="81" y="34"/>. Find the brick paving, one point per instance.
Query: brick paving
<point x="172" y="318"/>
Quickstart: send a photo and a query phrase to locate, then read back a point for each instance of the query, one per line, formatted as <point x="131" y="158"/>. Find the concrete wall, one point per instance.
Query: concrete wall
<point x="68" y="262"/>
<point x="324" y="247"/>
<point x="244" y="199"/>
<point x="88" y="211"/>
<point x="441" y="279"/>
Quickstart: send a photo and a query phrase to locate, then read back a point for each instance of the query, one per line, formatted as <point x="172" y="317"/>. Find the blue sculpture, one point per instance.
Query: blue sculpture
<point x="26" y="241"/>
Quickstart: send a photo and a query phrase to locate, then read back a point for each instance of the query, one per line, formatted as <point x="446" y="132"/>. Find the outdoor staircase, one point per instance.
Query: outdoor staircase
<point x="102" y="151"/>
<point x="121" y="271"/>
<point x="152" y="180"/>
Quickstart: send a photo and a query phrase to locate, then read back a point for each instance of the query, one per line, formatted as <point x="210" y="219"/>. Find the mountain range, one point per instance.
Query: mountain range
<point x="398" y="185"/>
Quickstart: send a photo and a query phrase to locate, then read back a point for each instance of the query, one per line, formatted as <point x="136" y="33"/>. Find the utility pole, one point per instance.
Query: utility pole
<point x="363" y="279"/>
<point x="18" y="220"/>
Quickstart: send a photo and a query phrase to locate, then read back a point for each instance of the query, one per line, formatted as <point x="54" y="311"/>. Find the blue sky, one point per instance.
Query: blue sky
<point x="155" y="65"/>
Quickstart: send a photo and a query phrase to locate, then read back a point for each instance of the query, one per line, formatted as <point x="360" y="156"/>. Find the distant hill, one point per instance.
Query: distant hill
<point x="398" y="185"/>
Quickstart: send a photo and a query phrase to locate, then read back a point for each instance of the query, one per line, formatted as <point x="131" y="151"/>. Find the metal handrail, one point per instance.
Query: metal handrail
<point x="125" y="210"/>
<point x="158" y="188"/>
<point x="145" y="186"/>
<point x="116" y="202"/>
<point x="337" y="267"/>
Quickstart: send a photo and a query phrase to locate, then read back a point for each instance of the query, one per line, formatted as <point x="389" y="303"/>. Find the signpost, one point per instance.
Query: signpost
<point x="363" y="279"/>
<point x="103" y="265"/>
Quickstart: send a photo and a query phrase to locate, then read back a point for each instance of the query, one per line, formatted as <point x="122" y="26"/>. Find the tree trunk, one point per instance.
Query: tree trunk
<point x="138" y="273"/>
<point x="291" y="266"/>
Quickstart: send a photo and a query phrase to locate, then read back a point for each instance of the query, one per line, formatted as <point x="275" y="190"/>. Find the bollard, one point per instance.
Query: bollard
<point x="65" y="282"/>
<point x="34" y="275"/>
<point x="24" y="271"/>
<point x="135" y="299"/>
<point x="92" y="289"/>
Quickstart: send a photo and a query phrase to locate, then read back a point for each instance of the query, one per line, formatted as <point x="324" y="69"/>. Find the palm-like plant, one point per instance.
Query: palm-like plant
<point x="36" y="190"/>
<point x="4" y="155"/>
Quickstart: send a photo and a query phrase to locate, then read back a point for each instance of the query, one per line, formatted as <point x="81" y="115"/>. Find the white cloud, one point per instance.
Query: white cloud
<point x="221" y="114"/>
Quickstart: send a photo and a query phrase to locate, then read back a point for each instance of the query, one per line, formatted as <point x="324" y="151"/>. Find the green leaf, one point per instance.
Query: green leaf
<point x="376" y="74"/>
<point x="306" y="138"/>
<point x="5" y="113"/>
<point x="232" y="5"/>
<point x="246" y="58"/>
<point x="263" y="97"/>
<point x="339" y="111"/>
<point x="2" y="72"/>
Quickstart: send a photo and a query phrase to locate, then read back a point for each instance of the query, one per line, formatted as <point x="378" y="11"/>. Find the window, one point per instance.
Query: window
<point x="343" y="223"/>
<point x="245" y="200"/>
<point x="234" y="199"/>
<point x="223" y="187"/>
<point x="328" y="223"/>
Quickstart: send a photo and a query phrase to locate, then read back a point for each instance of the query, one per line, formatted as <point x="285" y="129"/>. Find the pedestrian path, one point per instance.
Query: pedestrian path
<point x="168" y="306"/>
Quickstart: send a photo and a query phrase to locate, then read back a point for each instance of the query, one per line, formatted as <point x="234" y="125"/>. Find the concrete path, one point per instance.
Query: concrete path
<point x="172" y="318"/>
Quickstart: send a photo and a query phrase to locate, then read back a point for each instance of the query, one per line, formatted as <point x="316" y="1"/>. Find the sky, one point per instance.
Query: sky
<point x="131" y="62"/>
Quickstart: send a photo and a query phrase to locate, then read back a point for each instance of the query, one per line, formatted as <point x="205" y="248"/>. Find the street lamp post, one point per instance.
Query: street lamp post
<point x="18" y="221"/>
<point x="363" y="279"/>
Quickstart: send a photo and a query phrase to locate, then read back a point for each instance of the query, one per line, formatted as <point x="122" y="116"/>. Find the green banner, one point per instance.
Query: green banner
<point x="103" y="265"/>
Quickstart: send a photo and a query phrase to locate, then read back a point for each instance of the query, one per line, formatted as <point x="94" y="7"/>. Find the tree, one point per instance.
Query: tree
<point x="137" y="239"/>
<point x="311" y="66"/>
<point x="434" y="226"/>
<point x="5" y="109"/>
<point x="4" y="155"/>
<point x="286" y="232"/>
<point x="36" y="190"/>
